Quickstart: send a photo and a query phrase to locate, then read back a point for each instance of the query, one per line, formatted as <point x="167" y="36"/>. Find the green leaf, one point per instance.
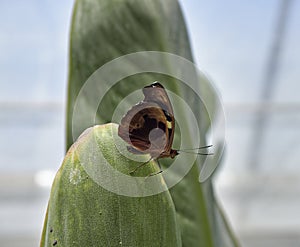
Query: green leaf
<point x="82" y="213"/>
<point x="103" y="30"/>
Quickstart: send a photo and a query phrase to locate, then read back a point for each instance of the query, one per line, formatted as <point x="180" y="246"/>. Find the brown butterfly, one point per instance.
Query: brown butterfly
<point x="149" y="125"/>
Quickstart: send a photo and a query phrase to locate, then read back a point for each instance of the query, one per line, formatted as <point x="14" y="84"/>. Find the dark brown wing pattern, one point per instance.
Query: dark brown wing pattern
<point x="149" y="126"/>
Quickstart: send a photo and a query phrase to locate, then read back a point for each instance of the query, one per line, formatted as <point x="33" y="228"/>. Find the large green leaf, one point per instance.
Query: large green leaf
<point x="103" y="30"/>
<point x="82" y="213"/>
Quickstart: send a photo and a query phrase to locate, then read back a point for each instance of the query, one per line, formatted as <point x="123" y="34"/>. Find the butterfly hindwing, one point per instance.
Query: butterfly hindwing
<point x="149" y="126"/>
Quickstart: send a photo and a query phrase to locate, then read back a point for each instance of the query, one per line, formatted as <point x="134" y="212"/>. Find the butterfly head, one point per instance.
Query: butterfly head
<point x="173" y="153"/>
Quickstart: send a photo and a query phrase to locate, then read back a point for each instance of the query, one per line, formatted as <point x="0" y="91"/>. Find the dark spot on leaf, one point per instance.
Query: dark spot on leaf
<point x="51" y="229"/>
<point x="54" y="243"/>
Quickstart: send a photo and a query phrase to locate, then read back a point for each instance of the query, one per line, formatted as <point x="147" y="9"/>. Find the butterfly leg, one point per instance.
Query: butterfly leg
<point x="156" y="173"/>
<point x="138" y="167"/>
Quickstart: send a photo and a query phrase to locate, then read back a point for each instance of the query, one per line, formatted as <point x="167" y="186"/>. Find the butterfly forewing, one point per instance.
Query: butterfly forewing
<point x="157" y="93"/>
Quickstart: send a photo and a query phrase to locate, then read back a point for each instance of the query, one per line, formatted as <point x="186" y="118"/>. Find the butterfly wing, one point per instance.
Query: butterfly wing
<point x="153" y="113"/>
<point x="137" y="125"/>
<point x="157" y="93"/>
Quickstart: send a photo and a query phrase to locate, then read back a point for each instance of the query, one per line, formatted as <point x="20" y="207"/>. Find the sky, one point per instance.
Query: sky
<point x="231" y="41"/>
<point x="34" y="50"/>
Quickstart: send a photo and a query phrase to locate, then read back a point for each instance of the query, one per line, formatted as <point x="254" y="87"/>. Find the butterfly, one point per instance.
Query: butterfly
<point x="149" y="126"/>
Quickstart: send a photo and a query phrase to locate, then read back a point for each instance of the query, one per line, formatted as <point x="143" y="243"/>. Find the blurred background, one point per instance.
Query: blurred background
<point x="251" y="51"/>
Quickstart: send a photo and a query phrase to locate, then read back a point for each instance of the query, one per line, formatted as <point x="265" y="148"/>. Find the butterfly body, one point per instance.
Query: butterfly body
<point x="149" y="125"/>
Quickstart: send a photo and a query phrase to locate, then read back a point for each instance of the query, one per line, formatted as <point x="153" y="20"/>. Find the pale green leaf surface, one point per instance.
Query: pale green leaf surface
<point x="82" y="213"/>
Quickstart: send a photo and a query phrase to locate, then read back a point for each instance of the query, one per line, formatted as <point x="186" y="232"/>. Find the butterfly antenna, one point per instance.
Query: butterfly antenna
<point x="138" y="167"/>
<point x="190" y="149"/>
<point x="187" y="152"/>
